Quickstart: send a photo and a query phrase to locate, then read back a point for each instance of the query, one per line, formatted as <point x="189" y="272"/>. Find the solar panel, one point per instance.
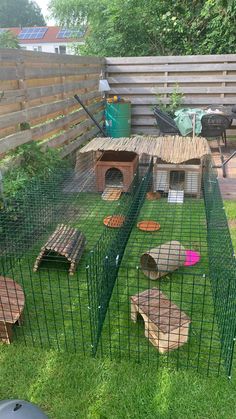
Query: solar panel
<point x="32" y="33"/>
<point x="69" y="33"/>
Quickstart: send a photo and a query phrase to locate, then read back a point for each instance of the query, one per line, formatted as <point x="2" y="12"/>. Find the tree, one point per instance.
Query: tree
<point x="151" y="27"/>
<point x="20" y="13"/>
<point x="8" y="40"/>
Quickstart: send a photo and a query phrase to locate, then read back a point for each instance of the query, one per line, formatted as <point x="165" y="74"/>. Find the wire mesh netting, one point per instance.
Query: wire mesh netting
<point x="136" y="264"/>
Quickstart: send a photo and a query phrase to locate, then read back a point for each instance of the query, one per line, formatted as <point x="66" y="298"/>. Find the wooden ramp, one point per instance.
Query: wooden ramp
<point x="65" y="241"/>
<point x="111" y="194"/>
<point x="175" y="197"/>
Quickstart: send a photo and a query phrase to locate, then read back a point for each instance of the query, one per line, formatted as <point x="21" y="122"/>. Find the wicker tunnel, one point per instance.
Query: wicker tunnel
<point x="65" y="241"/>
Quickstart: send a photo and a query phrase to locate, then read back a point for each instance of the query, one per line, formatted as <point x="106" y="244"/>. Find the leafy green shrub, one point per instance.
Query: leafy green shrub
<point x="24" y="126"/>
<point x="176" y="101"/>
<point x="8" y="40"/>
<point x="33" y="162"/>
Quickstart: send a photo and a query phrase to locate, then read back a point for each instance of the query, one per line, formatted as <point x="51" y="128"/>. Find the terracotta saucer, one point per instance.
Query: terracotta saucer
<point x="152" y="196"/>
<point x="148" y="225"/>
<point x="114" y="221"/>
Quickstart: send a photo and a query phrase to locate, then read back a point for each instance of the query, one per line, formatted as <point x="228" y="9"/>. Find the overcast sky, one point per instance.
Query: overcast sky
<point x="43" y="6"/>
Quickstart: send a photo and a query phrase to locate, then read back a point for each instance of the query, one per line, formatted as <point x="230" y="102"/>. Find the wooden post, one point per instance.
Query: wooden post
<point x="194" y="124"/>
<point x="22" y="84"/>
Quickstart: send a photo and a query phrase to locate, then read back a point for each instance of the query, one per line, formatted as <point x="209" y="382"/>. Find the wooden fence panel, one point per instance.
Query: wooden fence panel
<point x="205" y="80"/>
<point x="37" y="89"/>
<point x="37" y="103"/>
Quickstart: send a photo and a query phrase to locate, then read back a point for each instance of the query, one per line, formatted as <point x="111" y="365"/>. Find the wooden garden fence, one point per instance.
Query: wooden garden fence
<point x="37" y="103"/>
<point x="37" y="89"/>
<point x="203" y="79"/>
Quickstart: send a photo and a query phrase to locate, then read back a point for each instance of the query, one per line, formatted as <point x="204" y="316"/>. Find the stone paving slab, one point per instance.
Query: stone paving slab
<point x="227" y="184"/>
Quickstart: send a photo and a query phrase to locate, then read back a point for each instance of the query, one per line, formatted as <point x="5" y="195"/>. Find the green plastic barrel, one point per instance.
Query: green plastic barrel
<point x="118" y="119"/>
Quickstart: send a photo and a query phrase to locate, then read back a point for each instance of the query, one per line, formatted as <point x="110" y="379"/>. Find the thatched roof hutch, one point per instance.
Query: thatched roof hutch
<point x="186" y="176"/>
<point x="177" y="160"/>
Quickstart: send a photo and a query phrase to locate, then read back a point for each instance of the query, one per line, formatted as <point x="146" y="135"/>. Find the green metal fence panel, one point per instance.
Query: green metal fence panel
<point x="106" y="256"/>
<point x="90" y="311"/>
<point x="222" y="265"/>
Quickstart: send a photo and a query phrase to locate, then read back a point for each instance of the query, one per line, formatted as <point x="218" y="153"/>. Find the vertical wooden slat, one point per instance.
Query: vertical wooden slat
<point x="223" y="84"/>
<point x="20" y="71"/>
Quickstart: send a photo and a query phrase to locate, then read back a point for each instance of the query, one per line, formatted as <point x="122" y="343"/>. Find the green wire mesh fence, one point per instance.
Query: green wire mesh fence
<point x="133" y="294"/>
<point x="105" y="258"/>
<point x="222" y="266"/>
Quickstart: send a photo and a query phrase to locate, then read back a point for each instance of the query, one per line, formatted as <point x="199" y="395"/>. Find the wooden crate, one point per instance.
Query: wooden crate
<point x="166" y="326"/>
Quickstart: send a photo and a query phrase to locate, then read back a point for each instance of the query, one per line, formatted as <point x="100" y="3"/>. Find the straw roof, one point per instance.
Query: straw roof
<point x="171" y="149"/>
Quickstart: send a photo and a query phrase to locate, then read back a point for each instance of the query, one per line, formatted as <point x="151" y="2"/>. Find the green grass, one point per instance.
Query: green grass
<point x="56" y="310"/>
<point x="189" y="288"/>
<point x="67" y="385"/>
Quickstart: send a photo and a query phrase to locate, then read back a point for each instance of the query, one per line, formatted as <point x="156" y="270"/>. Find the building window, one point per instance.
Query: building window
<point x="39" y="48"/>
<point x="62" y="49"/>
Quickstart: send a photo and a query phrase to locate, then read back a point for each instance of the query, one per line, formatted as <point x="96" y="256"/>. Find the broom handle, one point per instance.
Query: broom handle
<point x="91" y="116"/>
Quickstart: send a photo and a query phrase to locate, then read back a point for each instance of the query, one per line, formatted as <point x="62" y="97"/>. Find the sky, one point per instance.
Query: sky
<point x="43" y="6"/>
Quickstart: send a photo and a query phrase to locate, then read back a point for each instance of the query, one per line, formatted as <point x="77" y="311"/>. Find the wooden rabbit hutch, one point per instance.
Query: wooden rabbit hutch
<point x="179" y="167"/>
<point x="116" y="168"/>
<point x="177" y="161"/>
<point x="186" y="176"/>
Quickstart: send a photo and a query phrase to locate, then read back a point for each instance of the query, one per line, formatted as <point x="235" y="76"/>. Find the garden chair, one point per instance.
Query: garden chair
<point x="165" y="123"/>
<point x="214" y="126"/>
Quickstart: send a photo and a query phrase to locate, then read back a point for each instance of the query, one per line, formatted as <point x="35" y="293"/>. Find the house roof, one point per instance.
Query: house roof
<point x="171" y="149"/>
<point x="50" y="35"/>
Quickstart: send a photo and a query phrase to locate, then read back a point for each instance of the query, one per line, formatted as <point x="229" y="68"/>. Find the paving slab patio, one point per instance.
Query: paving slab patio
<point x="227" y="184"/>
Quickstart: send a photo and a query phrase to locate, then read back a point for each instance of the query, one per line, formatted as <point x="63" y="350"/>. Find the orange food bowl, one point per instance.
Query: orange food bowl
<point x="148" y="225"/>
<point x="114" y="221"/>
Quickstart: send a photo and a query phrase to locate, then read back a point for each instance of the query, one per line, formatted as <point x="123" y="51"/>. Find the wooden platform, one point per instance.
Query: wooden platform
<point x="12" y="301"/>
<point x="65" y="241"/>
<point x="166" y="326"/>
<point x="227" y="184"/>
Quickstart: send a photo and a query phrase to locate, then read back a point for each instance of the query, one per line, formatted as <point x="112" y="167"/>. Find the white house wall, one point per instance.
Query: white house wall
<point x="49" y="47"/>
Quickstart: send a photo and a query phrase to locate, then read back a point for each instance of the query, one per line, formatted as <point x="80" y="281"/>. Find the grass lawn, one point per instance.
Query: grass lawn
<point x="189" y="288"/>
<point x="67" y="385"/>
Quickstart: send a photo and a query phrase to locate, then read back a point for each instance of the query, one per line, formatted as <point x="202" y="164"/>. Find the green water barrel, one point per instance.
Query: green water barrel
<point x="118" y="119"/>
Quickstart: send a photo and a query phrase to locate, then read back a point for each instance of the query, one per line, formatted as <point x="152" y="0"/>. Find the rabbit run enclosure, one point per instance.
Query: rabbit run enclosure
<point x="140" y="274"/>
